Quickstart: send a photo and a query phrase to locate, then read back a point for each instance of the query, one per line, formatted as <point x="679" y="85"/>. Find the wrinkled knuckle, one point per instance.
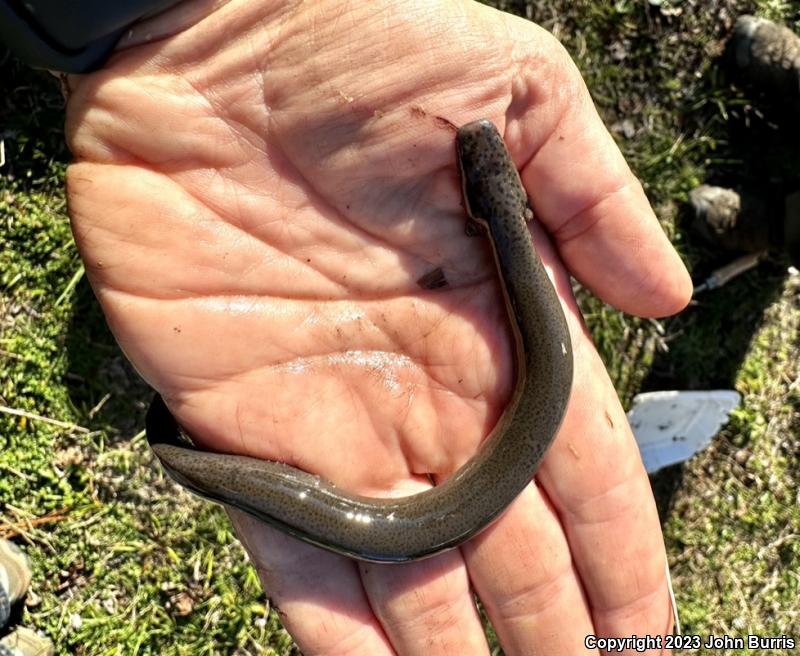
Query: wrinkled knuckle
<point x="436" y="610"/>
<point x="350" y="643"/>
<point x="618" y="499"/>
<point x="638" y="599"/>
<point x="531" y="597"/>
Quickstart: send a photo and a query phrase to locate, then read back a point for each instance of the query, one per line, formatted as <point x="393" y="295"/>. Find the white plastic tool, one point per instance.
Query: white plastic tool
<point x="672" y="426"/>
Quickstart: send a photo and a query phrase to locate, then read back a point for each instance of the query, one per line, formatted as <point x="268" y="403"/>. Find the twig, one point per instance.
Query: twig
<point x="10" y="529"/>
<point x="71" y="285"/>
<point x="17" y="472"/>
<point x="47" y="420"/>
<point x="13" y="356"/>
<point x="99" y="406"/>
<point x="777" y="543"/>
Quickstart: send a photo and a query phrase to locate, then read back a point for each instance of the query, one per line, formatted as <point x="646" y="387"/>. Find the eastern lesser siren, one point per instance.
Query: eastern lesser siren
<point x="407" y="528"/>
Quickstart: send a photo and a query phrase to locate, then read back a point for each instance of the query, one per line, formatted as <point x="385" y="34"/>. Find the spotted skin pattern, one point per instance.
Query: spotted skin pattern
<point x="420" y="525"/>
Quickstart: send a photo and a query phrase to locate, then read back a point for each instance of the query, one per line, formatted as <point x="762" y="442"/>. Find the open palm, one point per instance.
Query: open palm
<point x="266" y="201"/>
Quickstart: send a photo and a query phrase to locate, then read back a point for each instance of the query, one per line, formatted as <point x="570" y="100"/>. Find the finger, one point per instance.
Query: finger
<point x="521" y="565"/>
<point x="523" y="573"/>
<point x="594" y="477"/>
<point x="582" y="189"/>
<point x="317" y="594"/>
<point x="614" y="582"/>
<point x="427" y="607"/>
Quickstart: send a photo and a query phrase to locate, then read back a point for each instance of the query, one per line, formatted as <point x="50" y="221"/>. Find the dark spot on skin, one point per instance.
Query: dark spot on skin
<point x="609" y="420"/>
<point x="176" y="329"/>
<point x="434" y="279"/>
<point x="442" y="121"/>
<point x="474" y="229"/>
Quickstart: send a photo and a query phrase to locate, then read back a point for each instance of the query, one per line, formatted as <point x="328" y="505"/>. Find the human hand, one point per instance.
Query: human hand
<point x="257" y="193"/>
